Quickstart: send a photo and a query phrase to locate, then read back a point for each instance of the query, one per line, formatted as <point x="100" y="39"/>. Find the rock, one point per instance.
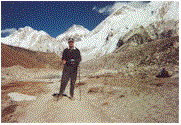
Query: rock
<point x="148" y="58"/>
<point x="163" y="74"/>
<point x="159" y="84"/>
<point x="142" y="75"/>
<point x="97" y="77"/>
<point x="134" y="44"/>
<point x="105" y="104"/>
<point x="132" y="73"/>
<point x="123" y="69"/>
<point x="8" y="110"/>
<point x="170" y="72"/>
<point x="80" y="84"/>
<point x="120" y="43"/>
<point x="176" y="44"/>
<point x="94" y="89"/>
<point x="14" y="96"/>
<point x="121" y="96"/>
<point x="130" y="65"/>
<point x="126" y="74"/>
<point x="177" y="69"/>
<point x="166" y="34"/>
<point x="175" y="76"/>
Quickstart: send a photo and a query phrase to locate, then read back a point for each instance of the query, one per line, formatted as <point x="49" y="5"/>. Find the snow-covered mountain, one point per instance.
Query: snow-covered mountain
<point x="34" y="40"/>
<point x="77" y="32"/>
<point x="40" y="41"/>
<point x="125" y="24"/>
<point x="155" y="16"/>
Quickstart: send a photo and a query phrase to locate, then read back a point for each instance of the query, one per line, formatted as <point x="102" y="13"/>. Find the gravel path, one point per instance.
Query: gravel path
<point x="46" y="110"/>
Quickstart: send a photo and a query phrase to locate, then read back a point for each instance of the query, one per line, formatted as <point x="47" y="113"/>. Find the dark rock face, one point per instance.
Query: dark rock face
<point x="163" y="74"/>
<point x="8" y="110"/>
<point x="166" y="34"/>
<point x="120" y="43"/>
<point x="55" y="94"/>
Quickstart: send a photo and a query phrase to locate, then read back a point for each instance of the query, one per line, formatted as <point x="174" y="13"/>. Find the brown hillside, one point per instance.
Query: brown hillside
<point x="11" y="55"/>
<point x="50" y="59"/>
<point x="18" y="56"/>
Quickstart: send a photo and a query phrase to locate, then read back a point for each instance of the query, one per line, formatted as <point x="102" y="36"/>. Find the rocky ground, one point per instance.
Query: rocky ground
<point x="24" y="81"/>
<point x="107" y="95"/>
<point x="120" y="87"/>
<point x="155" y="101"/>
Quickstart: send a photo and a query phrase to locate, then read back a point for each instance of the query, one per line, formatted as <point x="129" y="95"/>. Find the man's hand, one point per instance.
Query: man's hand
<point x="63" y="62"/>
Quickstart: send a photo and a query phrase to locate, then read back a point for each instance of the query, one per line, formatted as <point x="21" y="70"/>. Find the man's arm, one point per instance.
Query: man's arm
<point x="64" y="57"/>
<point x="79" y="57"/>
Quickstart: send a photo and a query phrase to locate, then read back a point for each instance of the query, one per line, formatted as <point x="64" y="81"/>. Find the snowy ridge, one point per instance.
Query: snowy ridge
<point x="77" y="32"/>
<point x="34" y="40"/>
<point x="74" y="30"/>
<point x="121" y="22"/>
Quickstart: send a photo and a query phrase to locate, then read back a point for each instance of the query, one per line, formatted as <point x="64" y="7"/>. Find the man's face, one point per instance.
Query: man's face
<point x="71" y="43"/>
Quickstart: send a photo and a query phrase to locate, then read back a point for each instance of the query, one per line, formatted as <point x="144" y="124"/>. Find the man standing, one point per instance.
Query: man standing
<point x="71" y="58"/>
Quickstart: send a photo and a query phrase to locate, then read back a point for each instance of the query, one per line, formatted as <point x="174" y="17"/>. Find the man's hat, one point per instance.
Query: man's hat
<point x="71" y="39"/>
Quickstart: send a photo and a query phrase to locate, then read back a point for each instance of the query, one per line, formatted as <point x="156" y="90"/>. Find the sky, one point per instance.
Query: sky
<point x="55" y="17"/>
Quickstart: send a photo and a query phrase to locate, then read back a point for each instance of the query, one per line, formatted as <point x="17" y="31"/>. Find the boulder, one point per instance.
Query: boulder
<point x="121" y="96"/>
<point x="93" y="90"/>
<point x="163" y="74"/>
<point x="175" y="76"/>
<point x="134" y="44"/>
<point x="120" y="43"/>
<point x="105" y="104"/>
<point x="142" y="75"/>
<point x="176" y="44"/>
<point x="130" y="65"/>
<point x="15" y="96"/>
<point x="176" y="69"/>
<point x="123" y="69"/>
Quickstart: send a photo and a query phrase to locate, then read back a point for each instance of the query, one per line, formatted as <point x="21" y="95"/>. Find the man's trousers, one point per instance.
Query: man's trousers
<point x="69" y="72"/>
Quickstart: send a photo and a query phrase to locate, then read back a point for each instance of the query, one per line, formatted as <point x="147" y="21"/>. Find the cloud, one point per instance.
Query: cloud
<point x="101" y="10"/>
<point x="104" y="10"/>
<point x="111" y="8"/>
<point x="7" y="32"/>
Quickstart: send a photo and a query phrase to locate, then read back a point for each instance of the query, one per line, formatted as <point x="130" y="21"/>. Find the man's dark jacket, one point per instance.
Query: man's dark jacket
<point x="69" y="54"/>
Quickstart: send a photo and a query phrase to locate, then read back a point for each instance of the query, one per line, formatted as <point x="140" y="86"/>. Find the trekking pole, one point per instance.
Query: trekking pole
<point x="79" y="84"/>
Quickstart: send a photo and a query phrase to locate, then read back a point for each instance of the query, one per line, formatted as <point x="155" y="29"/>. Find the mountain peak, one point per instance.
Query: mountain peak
<point x="26" y="28"/>
<point x="76" y="27"/>
<point x="75" y="31"/>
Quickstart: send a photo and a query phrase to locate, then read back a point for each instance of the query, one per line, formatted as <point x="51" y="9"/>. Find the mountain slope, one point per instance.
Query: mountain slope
<point x="11" y="56"/>
<point x="150" y="21"/>
<point x="17" y="56"/>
